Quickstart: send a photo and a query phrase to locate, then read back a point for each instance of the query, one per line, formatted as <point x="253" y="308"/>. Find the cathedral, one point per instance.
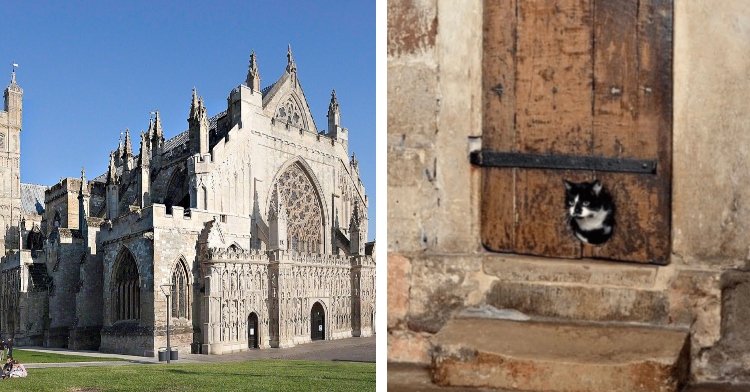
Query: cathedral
<point x="246" y="230"/>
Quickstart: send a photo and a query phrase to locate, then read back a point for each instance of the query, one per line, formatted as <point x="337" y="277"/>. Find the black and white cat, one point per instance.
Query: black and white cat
<point x="590" y="211"/>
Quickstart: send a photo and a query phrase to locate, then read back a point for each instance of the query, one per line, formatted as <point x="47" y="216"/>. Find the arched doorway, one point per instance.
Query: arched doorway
<point x="253" y="332"/>
<point x="317" y="322"/>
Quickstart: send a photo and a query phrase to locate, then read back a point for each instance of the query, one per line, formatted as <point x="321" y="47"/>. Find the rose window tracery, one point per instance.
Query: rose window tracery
<point x="302" y="207"/>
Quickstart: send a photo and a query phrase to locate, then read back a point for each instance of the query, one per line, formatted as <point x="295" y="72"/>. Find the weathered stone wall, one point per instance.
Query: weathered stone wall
<point x="89" y="307"/>
<point x="436" y="265"/>
<point x="434" y="78"/>
<point x="63" y="265"/>
<point x="711" y="183"/>
<point x="175" y="237"/>
<point x="63" y="198"/>
<point x="131" y="232"/>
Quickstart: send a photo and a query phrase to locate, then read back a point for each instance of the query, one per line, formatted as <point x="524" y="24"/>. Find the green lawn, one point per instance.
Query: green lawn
<point x="266" y="375"/>
<point x="25" y="357"/>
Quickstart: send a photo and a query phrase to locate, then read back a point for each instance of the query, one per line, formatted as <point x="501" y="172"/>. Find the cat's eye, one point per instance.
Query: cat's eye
<point x="585" y="203"/>
<point x="571" y="202"/>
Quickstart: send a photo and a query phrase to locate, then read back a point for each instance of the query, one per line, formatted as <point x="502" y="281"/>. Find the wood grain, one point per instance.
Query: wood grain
<point x="553" y="77"/>
<point x="585" y="77"/>
<point x="498" y="209"/>
<point x="499" y="75"/>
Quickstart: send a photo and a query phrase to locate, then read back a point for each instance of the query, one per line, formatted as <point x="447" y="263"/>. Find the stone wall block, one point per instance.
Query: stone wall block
<point x="409" y="211"/>
<point x="729" y="358"/>
<point x="412" y="26"/>
<point x="440" y="288"/>
<point x="413" y="103"/>
<point x="695" y="301"/>
<point x="399" y="284"/>
<point x="460" y="49"/>
<point x="408" y="347"/>
<point x="406" y="167"/>
<point x="711" y="199"/>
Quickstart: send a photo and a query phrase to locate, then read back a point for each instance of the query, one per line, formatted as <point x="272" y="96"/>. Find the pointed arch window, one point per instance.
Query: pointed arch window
<point x="125" y="291"/>
<point x="303" y="208"/>
<point x="180" y="293"/>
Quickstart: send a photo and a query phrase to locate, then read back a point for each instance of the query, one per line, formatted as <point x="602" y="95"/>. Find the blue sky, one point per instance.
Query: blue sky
<point x="91" y="69"/>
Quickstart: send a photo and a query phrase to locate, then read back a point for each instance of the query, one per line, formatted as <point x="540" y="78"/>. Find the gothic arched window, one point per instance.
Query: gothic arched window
<point x="303" y="209"/>
<point x="180" y="293"/>
<point x="290" y="113"/>
<point x="125" y="291"/>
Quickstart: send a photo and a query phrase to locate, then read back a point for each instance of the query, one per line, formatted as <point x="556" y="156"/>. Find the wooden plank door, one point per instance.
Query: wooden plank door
<point x="577" y="78"/>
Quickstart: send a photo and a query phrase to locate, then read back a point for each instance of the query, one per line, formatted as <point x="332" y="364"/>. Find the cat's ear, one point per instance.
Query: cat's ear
<point x="568" y="185"/>
<point x="597" y="187"/>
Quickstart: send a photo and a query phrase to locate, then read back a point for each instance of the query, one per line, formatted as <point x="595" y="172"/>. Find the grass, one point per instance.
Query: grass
<point x="25" y="357"/>
<point x="261" y="375"/>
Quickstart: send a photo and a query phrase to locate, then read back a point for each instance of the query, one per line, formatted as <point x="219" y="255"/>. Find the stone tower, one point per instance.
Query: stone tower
<point x="10" y="152"/>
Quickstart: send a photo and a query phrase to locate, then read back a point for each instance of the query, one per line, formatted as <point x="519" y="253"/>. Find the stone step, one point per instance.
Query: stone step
<point x="582" y="302"/>
<point x="559" y="357"/>
<point x="515" y="268"/>
<point x="408" y="377"/>
<point x="588" y="290"/>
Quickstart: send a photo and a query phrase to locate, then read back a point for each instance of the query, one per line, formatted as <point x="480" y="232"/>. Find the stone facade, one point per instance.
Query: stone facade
<point x="253" y="221"/>
<point x="437" y="266"/>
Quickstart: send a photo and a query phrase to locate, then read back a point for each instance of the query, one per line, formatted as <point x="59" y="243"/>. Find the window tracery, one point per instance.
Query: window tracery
<point x="180" y="292"/>
<point x="302" y="206"/>
<point x="290" y="113"/>
<point x="126" y="290"/>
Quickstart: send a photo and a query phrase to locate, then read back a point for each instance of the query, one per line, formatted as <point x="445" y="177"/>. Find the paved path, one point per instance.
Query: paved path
<point x="351" y="349"/>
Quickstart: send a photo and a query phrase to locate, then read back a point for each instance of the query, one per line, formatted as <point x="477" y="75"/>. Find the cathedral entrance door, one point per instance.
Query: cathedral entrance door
<point x="317" y="322"/>
<point x="253" y="334"/>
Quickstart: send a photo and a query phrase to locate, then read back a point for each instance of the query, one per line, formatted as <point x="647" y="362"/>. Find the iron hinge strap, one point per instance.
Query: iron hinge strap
<point x="486" y="158"/>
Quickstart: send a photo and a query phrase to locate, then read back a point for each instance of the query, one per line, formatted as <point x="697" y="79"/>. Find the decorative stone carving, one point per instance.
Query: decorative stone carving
<point x="303" y="207"/>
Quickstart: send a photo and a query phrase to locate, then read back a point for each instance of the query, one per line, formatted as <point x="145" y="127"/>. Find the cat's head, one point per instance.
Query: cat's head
<point x="583" y="199"/>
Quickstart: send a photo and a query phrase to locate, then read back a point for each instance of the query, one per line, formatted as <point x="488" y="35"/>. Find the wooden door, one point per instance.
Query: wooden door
<point x="577" y="78"/>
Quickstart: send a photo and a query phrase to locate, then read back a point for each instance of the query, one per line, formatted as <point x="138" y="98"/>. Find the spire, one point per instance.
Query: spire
<point x="253" y="76"/>
<point x="334" y="116"/>
<point x="112" y="170"/>
<point x="119" y="152"/>
<point x="291" y="67"/>
<point x="14" y="101"/>
<point x="145" y="154"/>
<point x="128" y="147"/>
<point x="156" y="135"/>
<point x="157" y="126"/>
<point x="83" y="204"/>
<point x="198" y="126"/>
<point x="144" y="173"/>
<point x="194" y="104"/>
<point x="150" y="128"/>
<point x="334" y="105"/>
<point x="84" y="188"/>
<point x="112" y="189"/>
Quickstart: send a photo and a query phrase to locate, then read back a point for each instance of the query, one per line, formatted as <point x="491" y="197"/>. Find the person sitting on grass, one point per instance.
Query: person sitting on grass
<point x="7" y="367"/>
<point x="18" y="370"/>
